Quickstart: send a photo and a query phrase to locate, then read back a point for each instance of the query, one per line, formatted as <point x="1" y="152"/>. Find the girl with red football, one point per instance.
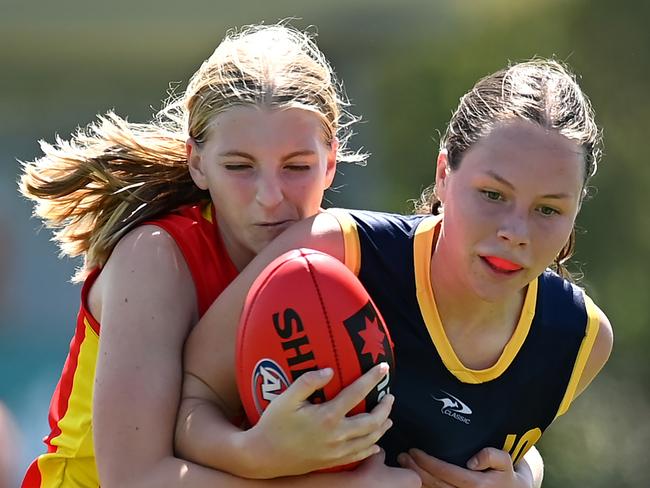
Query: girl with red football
<point x="165" y="214"/>
<point x="492" y="339"/>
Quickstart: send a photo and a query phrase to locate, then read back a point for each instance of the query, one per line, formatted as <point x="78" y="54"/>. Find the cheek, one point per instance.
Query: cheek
<point x="471" y="218"/>
<point x="551" y="238"/>
<point x="230" y="198"/>
<point x="305" y="192"/>
<point x="236" y="189"/>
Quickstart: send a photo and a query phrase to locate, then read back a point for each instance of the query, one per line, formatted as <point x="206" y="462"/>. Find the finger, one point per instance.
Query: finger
<point x="301" y="389"/>
<point x="363" y="442"/>
<point x="450" y="473"/>
<point x="428" y="480"/>
<point x="490" y="458"/>
<point x="353" y="394"/>
<point x="367" y="423"/>
<point x="358" y="455"/>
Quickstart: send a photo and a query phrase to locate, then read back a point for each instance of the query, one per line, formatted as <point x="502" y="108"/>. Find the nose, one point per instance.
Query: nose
<point x="269" y="191"/>
<point x="514" y="229"/>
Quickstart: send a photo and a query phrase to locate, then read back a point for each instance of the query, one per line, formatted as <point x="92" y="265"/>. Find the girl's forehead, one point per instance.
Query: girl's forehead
<point x="521" y="147"/>
<point x="247" y="121"/>
<point x="522" y="134"/>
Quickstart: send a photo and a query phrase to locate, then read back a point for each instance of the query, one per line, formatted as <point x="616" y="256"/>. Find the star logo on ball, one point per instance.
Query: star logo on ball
<point x="373" y="339"/>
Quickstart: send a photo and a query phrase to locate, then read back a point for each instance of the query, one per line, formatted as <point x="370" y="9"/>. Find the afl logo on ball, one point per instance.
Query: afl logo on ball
<point x="269" y="380"/>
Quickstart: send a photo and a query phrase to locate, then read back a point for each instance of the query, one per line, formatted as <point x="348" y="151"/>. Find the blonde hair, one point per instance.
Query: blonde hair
<point x="541" y="91"/>
<point x="114" y="174"/>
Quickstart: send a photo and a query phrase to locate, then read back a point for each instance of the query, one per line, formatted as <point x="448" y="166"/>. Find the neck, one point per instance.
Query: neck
<point x="239" y="256"/>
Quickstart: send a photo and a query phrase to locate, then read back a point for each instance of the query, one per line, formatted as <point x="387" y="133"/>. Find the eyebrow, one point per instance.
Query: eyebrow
<point x="502" y="180"/>
<point x="241" y="154"/>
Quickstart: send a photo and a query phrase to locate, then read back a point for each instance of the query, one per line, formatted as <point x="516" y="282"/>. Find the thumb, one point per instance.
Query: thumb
<point x="301" y="389"/>
<point x="490" y="458"/>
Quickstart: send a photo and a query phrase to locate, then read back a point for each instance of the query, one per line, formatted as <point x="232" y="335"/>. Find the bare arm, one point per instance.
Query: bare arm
<point x="304" y="436"/>
<point x="210" y="351"/>
<point x="145" y="302"/>
<point x="600" y="352"/>
<point x="146" y="305"/>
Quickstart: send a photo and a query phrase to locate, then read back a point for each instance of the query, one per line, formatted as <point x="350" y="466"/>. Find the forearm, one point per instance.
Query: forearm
<point x="532" y="467"/>
<point x="176" y="473"/>
<point x="204" y="436"/>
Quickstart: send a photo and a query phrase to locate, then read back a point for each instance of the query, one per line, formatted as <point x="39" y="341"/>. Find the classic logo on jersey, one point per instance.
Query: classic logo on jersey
<point x="269" y="380"/>
<point x="453" y="407"/>
<point x="366" y="331"/>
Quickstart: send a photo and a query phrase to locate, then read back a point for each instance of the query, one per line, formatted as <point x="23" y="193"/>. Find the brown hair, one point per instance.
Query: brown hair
<point x="114" y="174"/>
<point x="540" y="91"/>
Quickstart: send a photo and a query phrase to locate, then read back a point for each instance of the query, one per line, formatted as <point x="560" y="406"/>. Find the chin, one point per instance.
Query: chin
<point x="494" y="292"/>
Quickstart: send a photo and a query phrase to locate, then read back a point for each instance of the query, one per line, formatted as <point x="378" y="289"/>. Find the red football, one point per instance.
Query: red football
<point x="308" y="311"/>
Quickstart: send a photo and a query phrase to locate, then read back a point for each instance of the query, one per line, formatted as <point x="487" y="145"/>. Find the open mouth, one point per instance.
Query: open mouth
<point x="501" y="265"/>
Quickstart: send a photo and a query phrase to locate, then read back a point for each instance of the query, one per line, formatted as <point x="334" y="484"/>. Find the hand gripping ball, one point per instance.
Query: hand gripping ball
<point x="308" y="311"/>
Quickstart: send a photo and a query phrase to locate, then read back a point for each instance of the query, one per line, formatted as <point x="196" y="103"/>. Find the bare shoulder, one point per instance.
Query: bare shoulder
<point x="146" y="247"/>
<point x="146" y="265"/>
<point x="600" y="351"/>
<point x="321" y="232"/>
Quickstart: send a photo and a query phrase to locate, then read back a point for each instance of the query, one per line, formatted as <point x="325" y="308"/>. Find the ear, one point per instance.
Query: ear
<point x="194" y="163"/>
<point x="330" y="172"/>
<point x="442" y="172"/>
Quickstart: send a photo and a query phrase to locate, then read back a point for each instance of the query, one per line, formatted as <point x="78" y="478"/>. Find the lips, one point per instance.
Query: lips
<point x="503" y="265"/>
<point x="274" y="224"/>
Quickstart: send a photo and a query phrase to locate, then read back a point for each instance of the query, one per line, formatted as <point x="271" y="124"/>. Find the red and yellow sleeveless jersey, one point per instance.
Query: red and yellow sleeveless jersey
<point x="70" y="458"/>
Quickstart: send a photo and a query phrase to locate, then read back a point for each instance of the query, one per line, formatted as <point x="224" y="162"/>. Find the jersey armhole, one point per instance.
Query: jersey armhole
<point x="352" y="246"/>
<point x="593" y="323"/>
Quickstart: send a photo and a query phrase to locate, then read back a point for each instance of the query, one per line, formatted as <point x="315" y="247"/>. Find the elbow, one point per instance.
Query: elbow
<point x="168" y="471"/>
<point x="181" y="432"/>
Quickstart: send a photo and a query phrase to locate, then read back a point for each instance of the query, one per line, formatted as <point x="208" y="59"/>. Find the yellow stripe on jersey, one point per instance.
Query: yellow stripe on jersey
<point x="425" y="236"/>
<point x="350" y="238"/>
<point x="60" y="472"/>
<point x="73" y="463"/>
<point x="593" y="325"/>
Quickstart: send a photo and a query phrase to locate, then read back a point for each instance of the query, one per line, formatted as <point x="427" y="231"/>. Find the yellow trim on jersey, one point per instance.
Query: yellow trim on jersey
<point x="425" y="236"/>
<point x="593" y="325"/>
<point x="350" y="238"/>
<point x="73" y="463"/>
<point x="57" y="471"/>
<point x="206" y="211"/>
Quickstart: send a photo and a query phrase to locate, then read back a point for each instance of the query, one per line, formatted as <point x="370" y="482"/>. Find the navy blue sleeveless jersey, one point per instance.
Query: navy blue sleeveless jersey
<point x="441" y="406"/>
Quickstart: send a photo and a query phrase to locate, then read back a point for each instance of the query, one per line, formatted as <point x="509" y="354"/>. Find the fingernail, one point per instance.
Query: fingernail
<point x="383" y="367"/>
<point x="472" y="463"/>
<point x="325" y="372"/>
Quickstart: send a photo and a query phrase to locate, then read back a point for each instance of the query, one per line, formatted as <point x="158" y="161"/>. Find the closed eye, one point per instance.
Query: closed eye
<point x="237" y="166"/>
<point x="298" y="167"/>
